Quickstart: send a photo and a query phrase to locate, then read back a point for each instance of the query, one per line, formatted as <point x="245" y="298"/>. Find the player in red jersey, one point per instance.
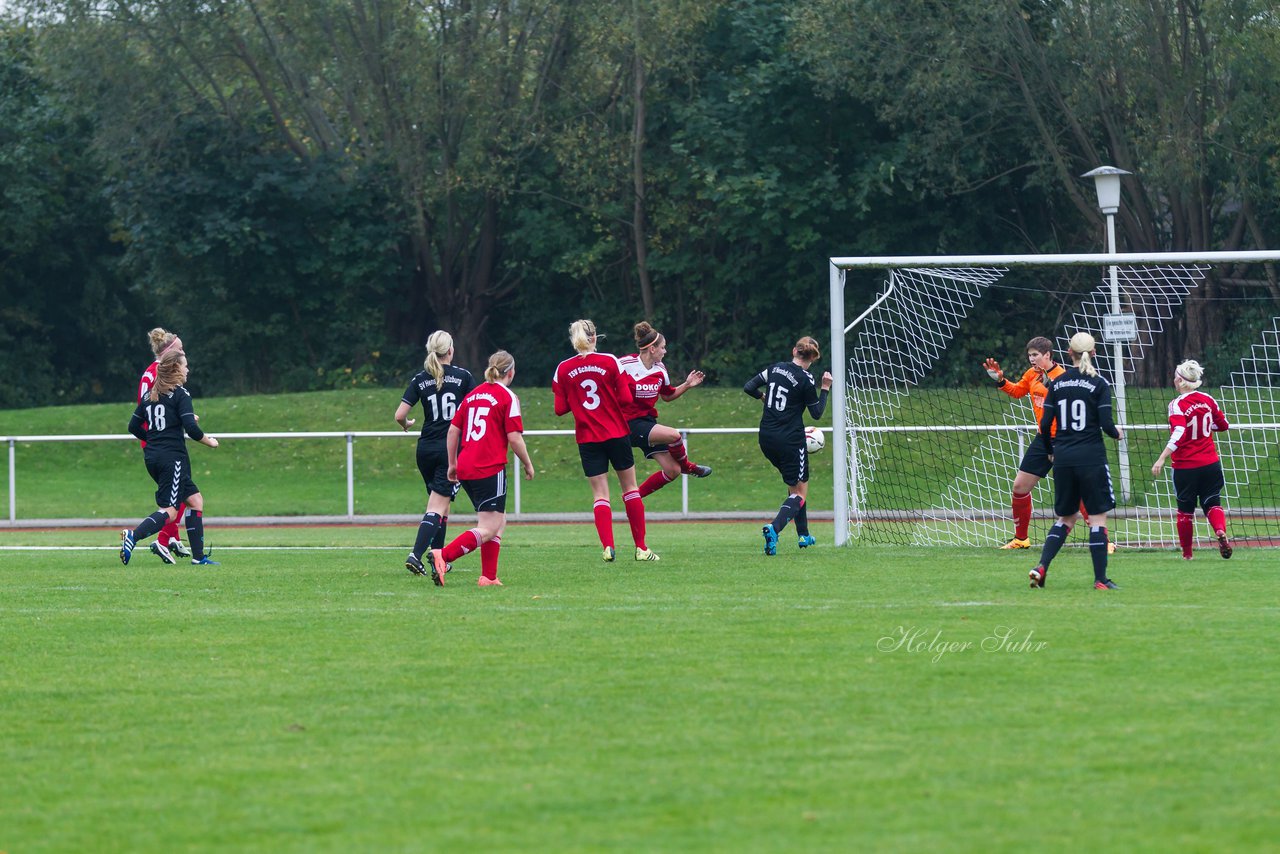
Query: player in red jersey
<point x="168" y="542"/>
<point x="1197" y="471"/>
<point x="649" y="381"/>
<point x="487" y="423"/>
<point x="594" y="388"/>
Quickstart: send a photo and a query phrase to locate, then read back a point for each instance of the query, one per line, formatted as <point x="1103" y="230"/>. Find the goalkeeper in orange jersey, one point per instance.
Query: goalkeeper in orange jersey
<point x="1035" y="462"/>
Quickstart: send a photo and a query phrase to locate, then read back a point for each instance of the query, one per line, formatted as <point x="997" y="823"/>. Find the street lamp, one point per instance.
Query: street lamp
<point x="1106" y="180"/>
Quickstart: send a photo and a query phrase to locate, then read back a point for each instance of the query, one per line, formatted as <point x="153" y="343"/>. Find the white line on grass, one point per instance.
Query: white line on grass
<point x="141" y="551"/>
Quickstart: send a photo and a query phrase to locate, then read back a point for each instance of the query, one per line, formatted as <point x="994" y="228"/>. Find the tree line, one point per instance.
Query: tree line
<point x="304" y="189"/>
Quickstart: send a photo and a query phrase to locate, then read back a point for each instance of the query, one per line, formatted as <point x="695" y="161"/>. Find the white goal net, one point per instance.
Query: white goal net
<point x="929" y="463"/>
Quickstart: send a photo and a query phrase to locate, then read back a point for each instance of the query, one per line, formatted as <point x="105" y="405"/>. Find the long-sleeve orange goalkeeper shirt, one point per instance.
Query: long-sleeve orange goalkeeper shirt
<point x="1034" y="383"/>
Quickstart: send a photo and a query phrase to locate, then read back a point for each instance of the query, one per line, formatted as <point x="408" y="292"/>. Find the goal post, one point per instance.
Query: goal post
<point x="909" y="477"/>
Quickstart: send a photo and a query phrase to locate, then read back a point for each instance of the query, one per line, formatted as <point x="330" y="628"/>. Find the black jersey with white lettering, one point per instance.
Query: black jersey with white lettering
<point x="787" y="390"/>
<point x="1082" y="407"/>
<point x="161" y="423"/>
<point x="438" y="403"/>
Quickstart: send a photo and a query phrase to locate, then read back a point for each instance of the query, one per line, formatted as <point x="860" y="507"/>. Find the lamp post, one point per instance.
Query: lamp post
<point x="1106" y="180"/>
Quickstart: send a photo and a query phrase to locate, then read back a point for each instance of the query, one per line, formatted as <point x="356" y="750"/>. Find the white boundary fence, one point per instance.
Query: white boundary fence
<point x="349" y="437"/>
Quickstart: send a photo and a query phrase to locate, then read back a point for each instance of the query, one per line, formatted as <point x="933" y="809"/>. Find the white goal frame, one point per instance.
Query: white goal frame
<point x="844" y="478"/>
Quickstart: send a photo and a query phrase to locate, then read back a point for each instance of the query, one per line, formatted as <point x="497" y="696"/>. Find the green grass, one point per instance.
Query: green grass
<point x="326" y="700"/>
<point x="308" y="477"/>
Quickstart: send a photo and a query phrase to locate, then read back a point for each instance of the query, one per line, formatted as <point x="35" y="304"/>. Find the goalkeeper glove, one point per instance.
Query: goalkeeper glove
<point x="992" y="368"/>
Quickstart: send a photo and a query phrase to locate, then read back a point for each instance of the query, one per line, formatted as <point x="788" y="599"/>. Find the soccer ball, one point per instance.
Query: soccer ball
<point x="814" y="439"/>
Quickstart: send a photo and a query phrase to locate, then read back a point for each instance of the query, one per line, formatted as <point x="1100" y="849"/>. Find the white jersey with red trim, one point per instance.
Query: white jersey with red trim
<point x="485" y="417"/>
<point x="648" y="385"/>
<point x="594" y="388"/>
<point x="1198" y="416"/>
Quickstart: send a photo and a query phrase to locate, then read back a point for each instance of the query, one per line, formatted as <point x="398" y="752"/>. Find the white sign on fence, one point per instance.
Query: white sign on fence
<point x="1119" y="328"/>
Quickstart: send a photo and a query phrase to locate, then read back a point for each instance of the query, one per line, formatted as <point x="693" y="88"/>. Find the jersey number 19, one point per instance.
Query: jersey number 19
<point x="1077" y="414"/>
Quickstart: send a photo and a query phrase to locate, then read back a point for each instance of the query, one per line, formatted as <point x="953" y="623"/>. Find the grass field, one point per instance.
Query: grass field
<point x="872" y="698"/>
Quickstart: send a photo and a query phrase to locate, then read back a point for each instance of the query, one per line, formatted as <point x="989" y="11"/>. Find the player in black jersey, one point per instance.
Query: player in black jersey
<point x="1080" y="402"/>
<point x="787" y="389"/>
<point x="160" y="420"/>
<point x="440" y="387"/>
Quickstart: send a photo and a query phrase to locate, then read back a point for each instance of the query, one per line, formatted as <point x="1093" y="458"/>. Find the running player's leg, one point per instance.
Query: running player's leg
<point x="1033" y="467"/>
<point x="632" y="503"/>
<point x="1210" y="489"/>
<point x="492" y="525"/>
<point x="668" y="471"/>
<point x="1185" y="494"/>
<point x="1067" y="506"/>
<point x="595" y="466"/>
<point x="194" y="522"/>
<point x="641" y="429"/>
<point x="1099" y="500"/>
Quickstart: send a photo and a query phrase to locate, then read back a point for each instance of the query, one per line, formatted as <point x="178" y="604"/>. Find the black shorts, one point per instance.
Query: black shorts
<point x="433" y="463"/>
<point x="1036" y="460"/>
<point x="1088" y="484"/>
<point x="789" y="458"/>
<point x="640" y="430"/>
<point x="1202" y="484"/>
<point x="172" y="475"/>
<point x="598" y="456"/>
<point x="488" y="495"/>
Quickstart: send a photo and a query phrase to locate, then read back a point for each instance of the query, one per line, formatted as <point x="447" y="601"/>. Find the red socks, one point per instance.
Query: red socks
<point x="680" y="454"/>
<point x="654" y="482"/>
<point x="1217" y="519"/>
<point x="1021" y="515"/>
<point x="634" y="506"/>
<point x="489" y="558"/>
<point x="603" y="516"/>
<point x="169" y="532"/>
<point x="464" y="543"/>
<point x="1186" y="525"/>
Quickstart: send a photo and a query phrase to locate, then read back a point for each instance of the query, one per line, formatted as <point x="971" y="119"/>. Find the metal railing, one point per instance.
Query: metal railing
<point x="349" y="437"/>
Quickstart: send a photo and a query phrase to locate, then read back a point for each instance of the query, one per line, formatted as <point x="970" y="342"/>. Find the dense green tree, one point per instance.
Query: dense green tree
<point x="61" y="307"/>
<point x="1157" y="87"/>
<point x="445" y="99"/>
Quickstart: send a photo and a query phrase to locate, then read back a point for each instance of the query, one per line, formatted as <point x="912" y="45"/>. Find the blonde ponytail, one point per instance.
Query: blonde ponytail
<point x="438" y="347"/>
<point x="1081" y="347"/>
<point x="583" y="335"/>
<point x="500" y="364"/>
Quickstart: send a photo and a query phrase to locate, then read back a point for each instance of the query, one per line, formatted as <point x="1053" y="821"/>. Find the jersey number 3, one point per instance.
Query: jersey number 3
<point x="591" y="395"/>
